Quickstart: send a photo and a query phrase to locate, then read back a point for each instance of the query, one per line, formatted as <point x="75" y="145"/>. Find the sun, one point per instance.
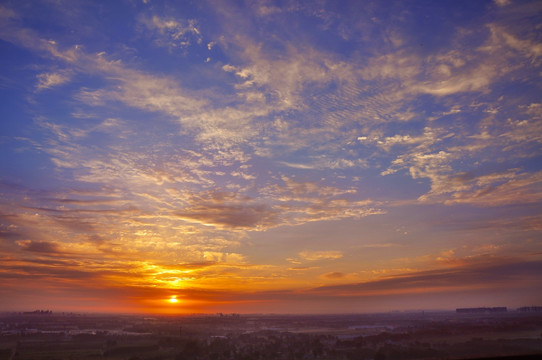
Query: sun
<point x="173" y="299"/>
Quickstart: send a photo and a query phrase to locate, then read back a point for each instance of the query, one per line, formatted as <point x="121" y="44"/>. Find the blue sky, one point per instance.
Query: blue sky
<point x="288" y="156"/>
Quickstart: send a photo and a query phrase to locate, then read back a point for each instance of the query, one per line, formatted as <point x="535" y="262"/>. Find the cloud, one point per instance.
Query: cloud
<point x="524" y="131"/>
<point x="172" y="33"/>
<point x="502" y="2"/>
<point x="229" y="210"/>
<point x="443" y="156"/>
<point x="453" y="284"/>
<point x="39" y="246"/>
<point x="320" y="255"/>
<point x="334" y="275"/>
<point x="395" y="65"/>
<point x="429" y="137"/>
<point x="321" y="163"/>
<point x="281" y="77"/>
<point x="492" y="189"/>
<point x="146" y="91"/>
<point x="451" y="186"/>
<point x="49" y="80"/>
<point x="465" y="277"/>
<point x="500" y="38"/>
<point x="385" y="245"/>
<point x="301" y="202"/>
<point x="500" y="189"/>
<point x="300" y="268"/>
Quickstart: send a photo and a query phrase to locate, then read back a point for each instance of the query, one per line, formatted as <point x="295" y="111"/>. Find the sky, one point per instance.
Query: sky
<point x="177" y="157"/>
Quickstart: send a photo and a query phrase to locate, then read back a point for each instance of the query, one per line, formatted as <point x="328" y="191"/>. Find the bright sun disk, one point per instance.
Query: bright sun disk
<point x="173" y="299"/>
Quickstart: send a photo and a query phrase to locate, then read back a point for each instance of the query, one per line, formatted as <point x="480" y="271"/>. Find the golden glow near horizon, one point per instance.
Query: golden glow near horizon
<point x="253" y="156"/>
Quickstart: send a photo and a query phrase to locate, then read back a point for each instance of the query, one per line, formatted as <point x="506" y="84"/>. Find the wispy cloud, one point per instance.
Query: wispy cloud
<point x="49" y="80"/>
<point x="230" y="210"/>
<point x="321" y="255"/>
<point x="39" y="246"/>
<point x="172" y="33"/>
<point x="456" y="278"/>
<point x="334" y="275"/>
<point x="502" y="2"/>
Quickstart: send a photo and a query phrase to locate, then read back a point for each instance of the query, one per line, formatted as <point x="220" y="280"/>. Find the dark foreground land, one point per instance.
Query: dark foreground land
<point x="435" y="335"/>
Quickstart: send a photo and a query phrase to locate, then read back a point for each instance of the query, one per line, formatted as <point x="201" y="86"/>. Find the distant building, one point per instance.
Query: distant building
<point x="530" y="309"/>
<point x="38" y="312"/>
<point x="481" y="310"/>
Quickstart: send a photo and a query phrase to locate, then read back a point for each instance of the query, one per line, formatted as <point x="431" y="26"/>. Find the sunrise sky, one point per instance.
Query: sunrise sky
<point x="271" y="157"/>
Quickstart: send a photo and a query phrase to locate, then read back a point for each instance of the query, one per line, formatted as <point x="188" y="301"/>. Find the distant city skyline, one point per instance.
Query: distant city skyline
<point x="177" y="157"/>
